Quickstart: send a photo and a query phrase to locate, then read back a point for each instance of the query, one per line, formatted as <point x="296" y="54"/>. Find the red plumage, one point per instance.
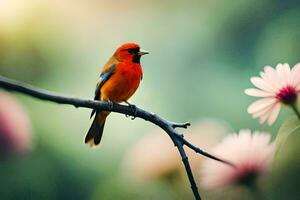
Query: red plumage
<point x="118" y="81"/>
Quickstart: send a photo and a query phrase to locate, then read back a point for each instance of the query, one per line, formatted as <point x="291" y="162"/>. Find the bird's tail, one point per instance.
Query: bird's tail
<point x="94" y="135"/>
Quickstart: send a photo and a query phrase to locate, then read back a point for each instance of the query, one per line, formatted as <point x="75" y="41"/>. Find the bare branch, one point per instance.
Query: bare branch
<point x="180" y="125"/>
<point x="167" y="126"/>
<point x="204" y="153"/>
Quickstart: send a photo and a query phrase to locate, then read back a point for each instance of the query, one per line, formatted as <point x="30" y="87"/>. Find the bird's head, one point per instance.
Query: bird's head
<point x="130" y="52"/>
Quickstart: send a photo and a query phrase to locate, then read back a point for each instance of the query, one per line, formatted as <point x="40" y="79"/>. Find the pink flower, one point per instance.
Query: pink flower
<point x="15" y="126"/>
<point x="154" y="155"/>
<point x="275" y="87"/>
<point x="251" y="153"/>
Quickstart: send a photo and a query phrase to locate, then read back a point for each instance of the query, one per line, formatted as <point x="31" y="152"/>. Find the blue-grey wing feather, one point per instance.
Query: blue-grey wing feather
<point x="102" y="79"/>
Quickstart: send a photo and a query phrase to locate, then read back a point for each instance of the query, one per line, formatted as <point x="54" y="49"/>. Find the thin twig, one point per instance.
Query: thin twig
<point x="167" y="126"/>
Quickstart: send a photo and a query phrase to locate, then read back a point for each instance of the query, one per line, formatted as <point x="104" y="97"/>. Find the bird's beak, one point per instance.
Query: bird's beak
<point x="143" y="52"/>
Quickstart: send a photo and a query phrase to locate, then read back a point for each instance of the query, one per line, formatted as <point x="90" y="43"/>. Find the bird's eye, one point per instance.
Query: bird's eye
<point x="130" y="51"/>
<point x="133" y="50"/>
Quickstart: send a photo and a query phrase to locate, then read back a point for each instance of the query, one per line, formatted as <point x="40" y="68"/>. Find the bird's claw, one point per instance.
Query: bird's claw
<point x="133" y="110"/>
<point x="110" y="105"/>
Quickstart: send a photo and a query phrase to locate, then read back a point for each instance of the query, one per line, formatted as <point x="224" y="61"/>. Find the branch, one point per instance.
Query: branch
<point x="168" y="126"/>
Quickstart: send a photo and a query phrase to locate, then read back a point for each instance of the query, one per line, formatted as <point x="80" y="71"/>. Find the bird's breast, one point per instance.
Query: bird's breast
<point x="122" y="84"/>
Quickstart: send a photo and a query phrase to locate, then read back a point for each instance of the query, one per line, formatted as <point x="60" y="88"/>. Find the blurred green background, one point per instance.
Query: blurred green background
<point x="202" y="54"/>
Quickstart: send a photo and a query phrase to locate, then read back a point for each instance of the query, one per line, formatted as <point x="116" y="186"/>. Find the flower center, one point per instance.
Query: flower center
<point x="248" y="178"/>
<point x="287" y="95"/>
<point x="247" y="174"/>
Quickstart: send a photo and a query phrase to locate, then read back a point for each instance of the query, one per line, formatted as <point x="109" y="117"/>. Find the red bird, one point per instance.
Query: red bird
<point x="118" y="81"/>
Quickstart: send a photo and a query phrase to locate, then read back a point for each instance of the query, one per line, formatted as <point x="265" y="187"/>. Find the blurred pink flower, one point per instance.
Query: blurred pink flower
<point x="276" y="87"/>
<point x="154" y="155"/>
<point x="251" y="153"/>
<point x="15" y="126"/>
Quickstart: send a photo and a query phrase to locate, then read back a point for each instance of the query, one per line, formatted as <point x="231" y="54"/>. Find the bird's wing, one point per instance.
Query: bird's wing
<point x="104" y="76"/>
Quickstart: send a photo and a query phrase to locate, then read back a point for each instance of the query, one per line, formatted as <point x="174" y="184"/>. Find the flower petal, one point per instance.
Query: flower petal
<point x="257" y="93"/>
<point x="274" y="114"/>
<point x="261" y="84"/>
<point x="264" y="117"/>
<point x="271" y="77"/>
<point x="260" y="104"/>
<point x="263" y="111"/>
<point x="295" y="75"/>
<point x="283" y="72"/>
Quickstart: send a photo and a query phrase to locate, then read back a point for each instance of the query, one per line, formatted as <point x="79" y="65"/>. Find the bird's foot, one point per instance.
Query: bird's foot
<point x="110" y="105"/>
<point x="133" y="110"/>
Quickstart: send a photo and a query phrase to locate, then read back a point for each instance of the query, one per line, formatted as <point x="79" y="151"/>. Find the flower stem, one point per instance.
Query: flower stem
<point x="295" y="109"/>
<point x="256" y="192"/>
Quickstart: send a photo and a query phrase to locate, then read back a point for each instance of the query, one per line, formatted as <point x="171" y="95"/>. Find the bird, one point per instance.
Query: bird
<point x="118" y="81"/>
